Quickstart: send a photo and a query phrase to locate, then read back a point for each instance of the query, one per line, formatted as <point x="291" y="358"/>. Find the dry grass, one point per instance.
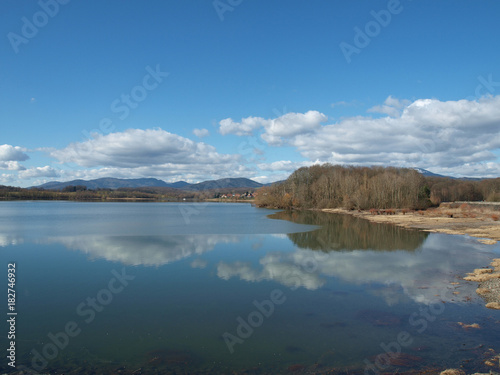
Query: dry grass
<point x="496" y="264"/>
<point x="483" y="274"/>
<point x="489" y="284"/>
<point x="493" y="305"/>
<point x="482" y="291"/>
<point x="482" y="277"/>
<point x="464" y="207"/>
<point x="465" y="210"/>
<point x="480" y="271"/>
<point x="452" y="371"/>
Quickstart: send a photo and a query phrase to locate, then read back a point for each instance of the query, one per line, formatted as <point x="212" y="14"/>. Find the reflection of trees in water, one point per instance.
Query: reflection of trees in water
<point x="345" y="232"/>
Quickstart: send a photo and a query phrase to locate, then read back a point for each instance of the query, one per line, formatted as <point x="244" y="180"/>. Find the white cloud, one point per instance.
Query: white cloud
<point x="292" y="124"/>
<point x="272" y="178"/>
<point x="458" y="137"/>
<point x="10" y="240"/>
<point x="12" y="166"/>
<point x="136" y="147"/>
<point x="201" y="133"/>
<point x="12" y="153"/>
<point x="35" y="172"/>
<point x="392" y="106"/>
<point x="344" y="103"/>
<point x="199" y="263"/>
<point x="245" y="127"/>
<point x="287" y="125"/>
<point x="6" y="179"/>
<point x="284" y="165"/>
<point x="156" y="153"/>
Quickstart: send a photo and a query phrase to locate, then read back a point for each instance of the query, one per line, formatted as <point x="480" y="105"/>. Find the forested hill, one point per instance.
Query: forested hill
<point x="334" y="186"/>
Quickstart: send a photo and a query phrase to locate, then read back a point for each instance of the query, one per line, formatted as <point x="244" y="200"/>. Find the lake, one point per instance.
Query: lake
<point x="214" y="288"/>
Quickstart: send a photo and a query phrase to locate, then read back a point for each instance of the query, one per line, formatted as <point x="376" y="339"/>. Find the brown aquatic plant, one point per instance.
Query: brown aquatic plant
<point x="493" y="305"/>
<point x="452" y="371"/>
<point x="496" y="263"/>
<point x="481" y="275"/>
<point x="480" y="271"/>
<point x="295" y="368"/>
<point x="467" y="326"/>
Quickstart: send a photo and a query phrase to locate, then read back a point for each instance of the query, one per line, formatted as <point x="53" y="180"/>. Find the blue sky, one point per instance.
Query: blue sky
<point x="195" y="90"/>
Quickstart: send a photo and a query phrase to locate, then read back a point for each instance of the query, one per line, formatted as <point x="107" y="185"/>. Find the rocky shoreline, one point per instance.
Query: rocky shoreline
<point x="489" y="283"/>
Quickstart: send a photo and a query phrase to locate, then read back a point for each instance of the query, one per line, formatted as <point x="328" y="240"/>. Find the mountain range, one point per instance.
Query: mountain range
<point x="115" y="183"/>
<point x="427" y="173"/>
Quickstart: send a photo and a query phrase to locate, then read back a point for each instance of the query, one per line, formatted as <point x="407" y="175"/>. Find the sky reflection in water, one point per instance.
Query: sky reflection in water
<point x="340" y="281"/>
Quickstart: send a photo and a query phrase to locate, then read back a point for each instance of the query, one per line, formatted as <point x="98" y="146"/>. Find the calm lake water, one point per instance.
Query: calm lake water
<point x="225" y="288"/>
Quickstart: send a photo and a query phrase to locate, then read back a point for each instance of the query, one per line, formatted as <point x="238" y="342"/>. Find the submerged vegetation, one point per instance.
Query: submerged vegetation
<point x="335" y="186"/>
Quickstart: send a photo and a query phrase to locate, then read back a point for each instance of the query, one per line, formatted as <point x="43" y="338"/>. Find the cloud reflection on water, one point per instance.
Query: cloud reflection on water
<point x="390" y="262"/>
<point x="144" y="250"/>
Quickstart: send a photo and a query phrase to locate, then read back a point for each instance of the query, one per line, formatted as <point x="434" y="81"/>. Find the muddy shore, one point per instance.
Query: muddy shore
<point x="467" y="219"/>
<point x="475" y="220"/>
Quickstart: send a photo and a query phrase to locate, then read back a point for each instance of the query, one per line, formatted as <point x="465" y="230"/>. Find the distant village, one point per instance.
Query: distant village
<point x="246" y="195"/>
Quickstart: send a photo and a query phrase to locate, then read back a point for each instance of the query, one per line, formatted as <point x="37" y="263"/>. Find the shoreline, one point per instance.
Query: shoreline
<point x="471" y="221"/>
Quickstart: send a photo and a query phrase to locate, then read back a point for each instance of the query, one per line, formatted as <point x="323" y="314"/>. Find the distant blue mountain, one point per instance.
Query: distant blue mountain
<point x="427" y="173"/>
<point x="179" y="184"/>
<point x="106" y="183"/>
<point x="224" y="183"/>
<point x="116" y="183"/>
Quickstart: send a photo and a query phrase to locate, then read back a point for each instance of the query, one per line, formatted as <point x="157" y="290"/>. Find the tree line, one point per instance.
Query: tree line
<point x="82" y="193"/>
<point x="350" y="187"/>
